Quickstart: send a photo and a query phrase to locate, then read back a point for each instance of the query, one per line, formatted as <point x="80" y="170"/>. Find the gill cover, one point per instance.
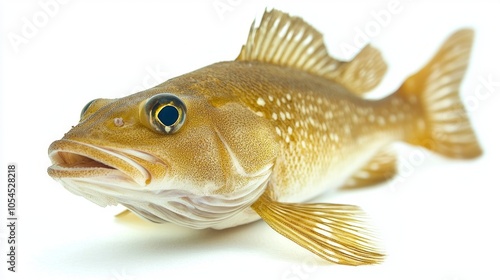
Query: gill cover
<point x="214" y="176"/>
<point x="250" y="140"/>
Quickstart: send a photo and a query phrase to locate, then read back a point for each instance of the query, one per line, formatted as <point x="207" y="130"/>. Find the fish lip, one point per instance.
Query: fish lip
<point x="73" y="159"/>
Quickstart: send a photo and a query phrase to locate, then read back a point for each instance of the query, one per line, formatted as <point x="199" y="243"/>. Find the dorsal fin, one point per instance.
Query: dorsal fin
<point x="289" y="41"/>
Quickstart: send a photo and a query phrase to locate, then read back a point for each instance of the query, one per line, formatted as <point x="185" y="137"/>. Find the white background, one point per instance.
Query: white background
<point x="439" y="219"/>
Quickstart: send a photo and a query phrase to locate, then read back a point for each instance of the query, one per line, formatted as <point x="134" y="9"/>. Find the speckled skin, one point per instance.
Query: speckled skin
<point x="310" y="131"/>
<point x="325" y="133"/>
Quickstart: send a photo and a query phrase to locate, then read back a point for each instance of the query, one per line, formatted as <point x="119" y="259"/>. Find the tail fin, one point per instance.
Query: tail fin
<point x="448" y="130"/>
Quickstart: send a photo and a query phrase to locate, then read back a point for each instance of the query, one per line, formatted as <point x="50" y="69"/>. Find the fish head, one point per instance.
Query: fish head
<point x="168" y="155"/>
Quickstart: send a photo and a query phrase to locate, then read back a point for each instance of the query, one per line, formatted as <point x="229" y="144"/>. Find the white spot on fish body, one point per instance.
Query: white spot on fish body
<point x="282" y="116"/>
<point x="333" y="137"/>
<point x="261" y="102"/>
<point x="395" y="102"/>
<point x="303" y="133"/>
<point x="347" y="129"/>
<point x="303" y="143"/>
<point x="302" y="109"/>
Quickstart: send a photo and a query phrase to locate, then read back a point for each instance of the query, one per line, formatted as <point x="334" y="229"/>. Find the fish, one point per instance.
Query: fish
<point x="261" y="136"/>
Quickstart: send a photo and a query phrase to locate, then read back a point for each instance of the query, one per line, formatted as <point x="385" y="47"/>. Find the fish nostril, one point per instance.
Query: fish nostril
<point x="118" y="122"/>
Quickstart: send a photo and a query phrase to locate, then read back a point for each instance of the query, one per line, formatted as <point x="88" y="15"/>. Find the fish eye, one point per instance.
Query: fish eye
<point x="163" y="113"/>
<point x="86" y="107"/>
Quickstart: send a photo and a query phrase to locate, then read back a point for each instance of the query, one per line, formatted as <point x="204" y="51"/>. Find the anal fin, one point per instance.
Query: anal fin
<point x="335" y="232"/>
<point x="379" y="169"/>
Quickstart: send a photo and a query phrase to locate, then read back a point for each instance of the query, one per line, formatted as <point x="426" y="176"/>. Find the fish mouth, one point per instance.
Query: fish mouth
<point x="72" y="159"/>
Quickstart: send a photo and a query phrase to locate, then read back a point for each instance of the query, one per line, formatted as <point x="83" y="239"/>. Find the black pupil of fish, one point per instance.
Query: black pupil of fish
<point x="168" y="115"/>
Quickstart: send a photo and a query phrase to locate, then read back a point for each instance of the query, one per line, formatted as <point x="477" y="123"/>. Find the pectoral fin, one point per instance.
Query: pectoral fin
<point x="335" y="232"/>
<point x="129" y="218"/>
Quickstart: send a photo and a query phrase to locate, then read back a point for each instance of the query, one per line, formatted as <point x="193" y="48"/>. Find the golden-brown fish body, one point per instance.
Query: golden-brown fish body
<point x="317" y="134"/>
<point x="324" y="132"/>
<point x="257" y="137"/>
